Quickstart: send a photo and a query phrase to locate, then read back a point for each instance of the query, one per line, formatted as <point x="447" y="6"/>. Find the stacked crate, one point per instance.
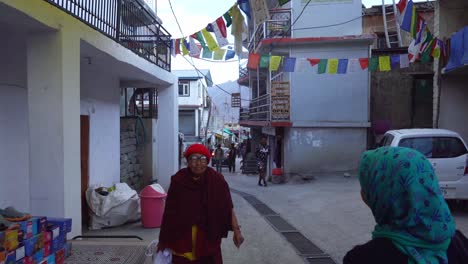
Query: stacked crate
<point x="38" y="240"/>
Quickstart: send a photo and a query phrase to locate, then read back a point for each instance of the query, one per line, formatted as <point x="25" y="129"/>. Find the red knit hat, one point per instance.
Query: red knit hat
<point x="198" y="149"/>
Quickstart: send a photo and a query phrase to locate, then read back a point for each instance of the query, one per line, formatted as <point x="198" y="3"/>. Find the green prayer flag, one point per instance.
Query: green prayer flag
<point x="282" y="2"/>
<point x="207" y="53"/>
<point x="265" y="61"/>
<point x="425" y="57"/>
<point x="228" y="18"/>
<point x="199" y="37"/>
<point x="322" y="66"/>
<point x="374" y="63"/>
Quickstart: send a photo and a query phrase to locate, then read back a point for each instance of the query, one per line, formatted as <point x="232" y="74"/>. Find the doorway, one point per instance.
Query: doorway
<point x="84" y="150"/>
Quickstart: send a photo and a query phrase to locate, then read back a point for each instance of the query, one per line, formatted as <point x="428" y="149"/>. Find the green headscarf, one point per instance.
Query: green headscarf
<point x="402" y="190"/>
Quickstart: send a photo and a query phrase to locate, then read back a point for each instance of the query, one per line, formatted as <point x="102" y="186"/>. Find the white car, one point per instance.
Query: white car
<point x="446" y="151"/>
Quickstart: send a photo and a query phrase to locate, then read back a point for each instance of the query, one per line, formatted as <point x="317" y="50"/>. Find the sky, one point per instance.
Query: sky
<point x="195" y="15"/>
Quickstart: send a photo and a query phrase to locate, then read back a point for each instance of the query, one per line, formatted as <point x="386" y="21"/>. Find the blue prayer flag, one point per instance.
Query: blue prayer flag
<point x="395" y="60"/>
<point x="229" y="54"/>
<point x="244" y="5"/>
<point x="342" y="66"/>
<point x="289" y="64"/>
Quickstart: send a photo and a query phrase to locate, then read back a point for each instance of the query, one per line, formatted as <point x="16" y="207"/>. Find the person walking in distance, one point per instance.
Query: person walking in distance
<point x="261" y="153"/>
<point x="232" y="158"/>
<point x="219" y="155"/>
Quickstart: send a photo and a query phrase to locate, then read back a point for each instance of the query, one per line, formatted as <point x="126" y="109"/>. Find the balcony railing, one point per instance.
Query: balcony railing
<point x="128" y="22"/>
<point x="278" y="26"/>
<point x="260" y="108"/>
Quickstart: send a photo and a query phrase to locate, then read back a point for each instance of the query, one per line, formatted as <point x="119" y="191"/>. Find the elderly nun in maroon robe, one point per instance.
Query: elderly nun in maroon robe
<point x="198" y="212"/>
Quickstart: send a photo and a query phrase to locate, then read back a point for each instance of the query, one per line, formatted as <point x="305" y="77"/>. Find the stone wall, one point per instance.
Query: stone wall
<point x="130" y="167"/>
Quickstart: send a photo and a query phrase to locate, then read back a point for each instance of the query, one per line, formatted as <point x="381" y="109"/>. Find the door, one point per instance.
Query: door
<point x="84" y="149"/>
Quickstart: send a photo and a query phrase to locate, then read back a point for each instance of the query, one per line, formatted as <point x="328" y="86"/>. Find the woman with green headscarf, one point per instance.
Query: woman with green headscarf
<point x="413" y="221"/>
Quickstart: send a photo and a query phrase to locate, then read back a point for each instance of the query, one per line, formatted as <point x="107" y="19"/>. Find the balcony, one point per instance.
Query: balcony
<point x="278" y="26"/>
<point x="128" y="22"/>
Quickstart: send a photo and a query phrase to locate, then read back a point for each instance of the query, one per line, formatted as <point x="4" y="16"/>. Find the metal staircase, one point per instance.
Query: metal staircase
<point x="391" y="26"/>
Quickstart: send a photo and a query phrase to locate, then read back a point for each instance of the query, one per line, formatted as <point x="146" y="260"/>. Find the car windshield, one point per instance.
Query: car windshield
<point x="436" y="147"/>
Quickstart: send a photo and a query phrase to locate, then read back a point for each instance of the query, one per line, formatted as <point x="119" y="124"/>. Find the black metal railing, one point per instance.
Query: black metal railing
<point x="259" y="108"/>
<point x="278" y="26"/>
<point x="128" y="22"/>
<point x="139" y="102"/>
<point x="244" y="114"/>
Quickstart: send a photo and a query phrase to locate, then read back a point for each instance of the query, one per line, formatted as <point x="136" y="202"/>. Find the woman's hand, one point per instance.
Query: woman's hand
<point x="238" y="238"/>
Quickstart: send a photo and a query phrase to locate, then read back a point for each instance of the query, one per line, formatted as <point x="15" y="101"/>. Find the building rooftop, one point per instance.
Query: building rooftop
<point x="194" y="75"/>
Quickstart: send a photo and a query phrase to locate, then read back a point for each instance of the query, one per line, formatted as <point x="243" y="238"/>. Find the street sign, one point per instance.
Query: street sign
<point x="235" y="100"/>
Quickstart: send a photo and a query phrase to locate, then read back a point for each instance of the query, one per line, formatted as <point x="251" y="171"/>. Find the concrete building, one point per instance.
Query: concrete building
<point x="62" y="70"/>
<point x="193" y="103"/>
<point x="450" y="105"/>
<point x="400" y="98"/>
<point x="322" y="119"/>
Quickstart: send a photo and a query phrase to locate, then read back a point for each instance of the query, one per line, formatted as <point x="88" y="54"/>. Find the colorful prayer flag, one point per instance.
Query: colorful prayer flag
<point x="221" y="26"/>
<point x="364" y="62"/>
<point x="244" y="5"/>
<point x="207" y="53"/>
<point x="265" y="61"/>
<point x="395" y="61"/>
<point x="384" y="63"/>
<point x="404" y="61"/>
<point x="199" y="36"/>
<point x="222" y="41"/>
<point x="313" y="62"/>
<point x="212" y="45"/>
<point x="413" y="50"/>
<point x="282" y="2"/>
<point x="301" y="64"/>
<point x="405" y="14"/>
<point x="260" y="11"/>
<point x="373" y="63"/>
<point x="238" y="28"/>
<point x="353" y="65"/>
<point x="229" y="55"/>
<point x="436" y="48"/>
<point x="289" y="64"/>
<point x="185" y="47"/>
<point x="275" y="62"/>
<point x="254" y="60"/>
<point x="342" y="66"/>
<point x="219" y="54"/>
<point x="322" y="66"/>
<point x="228" y="18"/>
<point x="194" y="50"/>
<point x="332" y="66"/>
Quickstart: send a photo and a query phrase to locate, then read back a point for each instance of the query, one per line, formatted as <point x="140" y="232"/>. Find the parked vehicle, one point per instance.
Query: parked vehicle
<point x="225" y="162"/>
<point x="446" y="151"/>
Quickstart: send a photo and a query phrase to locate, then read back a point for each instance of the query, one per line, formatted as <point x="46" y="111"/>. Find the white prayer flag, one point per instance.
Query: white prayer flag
<point x="353" y="65"/>
<point x="404" y="61"/>
<point x="301" y="64"/>
<point x="194" y="49"/>
<point x="222" y="41"/>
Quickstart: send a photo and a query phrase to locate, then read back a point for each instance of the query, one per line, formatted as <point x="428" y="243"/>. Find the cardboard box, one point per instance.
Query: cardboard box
<point x="57" y="244"/>
<point x="9" y="239"/>
<point x="36" y="258"/>
<point x="34" y="244"/>
<point x="52" y="233"/>
<point x="10" y="257"/>
<point x="42" y="223"/>
<point x="60" y="256"/>
<point x="51" y="259"/>
<point x="19" y="252"/>
<point x="47" y="248"/>
<point x="68" y="249"/>
<point x="2" y="255"/>
<point x="27" y="228"/>
<point x="65" y="224"/>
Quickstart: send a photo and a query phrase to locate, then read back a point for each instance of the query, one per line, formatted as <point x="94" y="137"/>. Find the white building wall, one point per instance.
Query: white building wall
<point x="195" y="95"/>
<point x="321" y="14"/>
<point x="100" y="95"/>
<point x="14" y="131"/>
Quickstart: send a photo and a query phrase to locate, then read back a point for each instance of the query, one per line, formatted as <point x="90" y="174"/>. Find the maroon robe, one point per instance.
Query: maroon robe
<point x="206" y="203"/>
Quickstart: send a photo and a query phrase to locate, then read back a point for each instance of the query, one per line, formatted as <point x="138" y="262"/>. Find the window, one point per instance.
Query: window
<point x="386" y="140"/>
<point x="184" y="89"/>
<point x="436" y="147"/>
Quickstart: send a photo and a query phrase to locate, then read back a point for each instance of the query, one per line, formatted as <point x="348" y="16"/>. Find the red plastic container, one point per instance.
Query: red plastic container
<point x="277" y="171"/>
<point x="152" y="205"/>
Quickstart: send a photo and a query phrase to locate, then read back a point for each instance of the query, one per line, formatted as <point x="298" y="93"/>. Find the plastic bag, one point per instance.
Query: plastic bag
<point x="161" y="257"/>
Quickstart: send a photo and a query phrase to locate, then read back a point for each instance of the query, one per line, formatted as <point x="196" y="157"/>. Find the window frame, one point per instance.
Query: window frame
<point x="184" y="85"/>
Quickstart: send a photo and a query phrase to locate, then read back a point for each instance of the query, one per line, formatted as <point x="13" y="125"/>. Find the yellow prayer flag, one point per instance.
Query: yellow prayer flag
<point x="384" y="63"/>
<point x="184" y="48"/>
<point x="219" y="54"/>
<point x="275" y="62"/>
<point x="332" y="66"/>
<point x="212" y="45"/>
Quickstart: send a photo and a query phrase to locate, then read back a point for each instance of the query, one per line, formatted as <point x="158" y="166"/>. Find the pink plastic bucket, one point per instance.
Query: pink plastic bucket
<point x="152" y="206"/>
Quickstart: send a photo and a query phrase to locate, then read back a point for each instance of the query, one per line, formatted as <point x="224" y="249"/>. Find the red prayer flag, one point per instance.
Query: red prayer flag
<point x="364" y="62"/>
<point x="313" y="62"/>
<point x="222" y="26"/>
<point x="254" y="60"/>
<point x="177" y="46"/>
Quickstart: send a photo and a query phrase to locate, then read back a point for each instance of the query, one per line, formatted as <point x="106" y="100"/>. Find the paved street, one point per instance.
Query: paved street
<point x="327" y="210"/>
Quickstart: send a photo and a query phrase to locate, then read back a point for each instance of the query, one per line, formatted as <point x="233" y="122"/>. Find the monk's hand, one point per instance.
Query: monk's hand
<point x="238" y="238"/>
